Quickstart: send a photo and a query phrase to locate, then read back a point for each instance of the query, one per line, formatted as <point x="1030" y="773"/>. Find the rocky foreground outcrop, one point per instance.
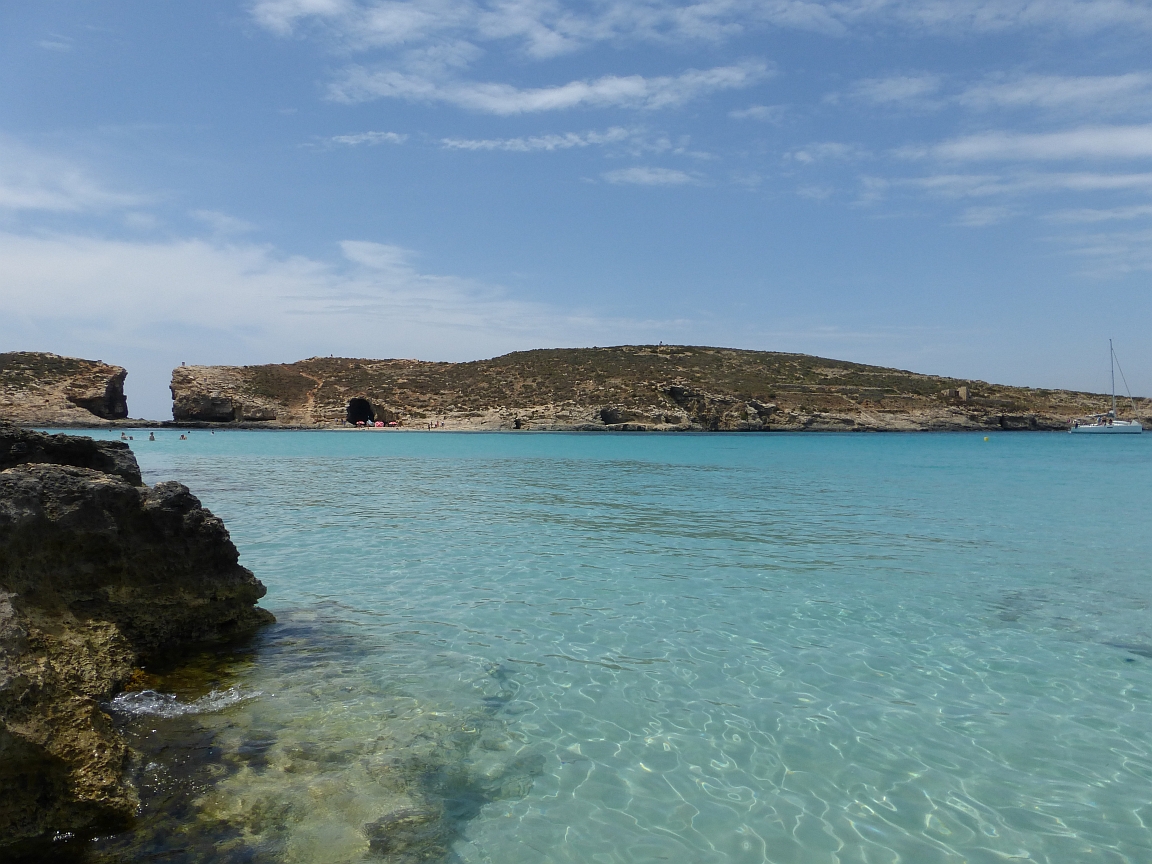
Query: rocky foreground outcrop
<point x="38" y="389"/>
<point x="632" y="387"/>
<point x="98" y="575"/>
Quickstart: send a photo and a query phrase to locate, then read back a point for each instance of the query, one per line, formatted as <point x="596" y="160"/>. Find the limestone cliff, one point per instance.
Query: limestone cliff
<point x="98" y="575"/>
<point x="646" y="387"/>
<point x="39" y="389"/>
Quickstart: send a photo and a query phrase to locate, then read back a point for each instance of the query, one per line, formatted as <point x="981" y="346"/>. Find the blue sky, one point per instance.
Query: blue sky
<point x="961" y="187"/>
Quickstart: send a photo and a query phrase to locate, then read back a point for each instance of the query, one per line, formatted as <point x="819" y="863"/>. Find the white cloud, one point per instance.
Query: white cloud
<point x="31" y="180"/>
<point x="222" y="223"/>
<point x="1089" y="142"/>
<point x="246" y="301"/>
<point x="370" y="138"/>
<point x="816" y="193"/>
<point x="1112" y="254"/>
<point x="631" y="91"/>
<point x="566" y="141"/>
<point x="985" y="185"/>
<point x="547" y="28"/>
<point x="56" y="43"/>
<point x="766" y="113"/>
<point x="1106" y="215"/>
<point x="141" y="221"/>
<point x="984" y="16"/>
<point x="825" y="151"/>
<point x="542" y="28"/>
<point x="645" y="176"/>
<point x="980" y="217"/>
<point x="1086" y="94"/>
<point x="247" y="291"/>
<point x="151" y="305"/>
<point x="1087" y="182"/>
<point x="904" y="89"/>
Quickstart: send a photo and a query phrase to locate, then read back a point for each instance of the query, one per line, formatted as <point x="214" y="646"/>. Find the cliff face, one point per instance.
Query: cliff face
<point x="98" y="574"/>
<point x="48" y="390"/>
<point x="219" y="394"/>
<point x="629" y="387"/>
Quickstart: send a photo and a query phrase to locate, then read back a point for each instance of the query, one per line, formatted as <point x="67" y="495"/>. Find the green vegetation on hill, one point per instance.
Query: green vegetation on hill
<point x="649" y="386"/>
<point x="29" y="369"/>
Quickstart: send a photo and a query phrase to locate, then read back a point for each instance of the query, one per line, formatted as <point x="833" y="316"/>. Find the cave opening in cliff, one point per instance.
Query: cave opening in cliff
<point x="360" y="411"/>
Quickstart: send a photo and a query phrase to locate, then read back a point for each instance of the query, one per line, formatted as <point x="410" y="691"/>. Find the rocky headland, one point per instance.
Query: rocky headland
<point x="38" y="389"/>
<point x="99" y="575"/>
<point x="633" y="387"/>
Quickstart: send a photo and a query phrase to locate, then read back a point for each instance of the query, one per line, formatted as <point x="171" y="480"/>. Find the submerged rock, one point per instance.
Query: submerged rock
<point x="409" y="835"/>
<point x="98" y="574"/>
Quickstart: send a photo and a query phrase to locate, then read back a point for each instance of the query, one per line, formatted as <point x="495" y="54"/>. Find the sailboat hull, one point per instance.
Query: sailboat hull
<point x="1117" y="427"/>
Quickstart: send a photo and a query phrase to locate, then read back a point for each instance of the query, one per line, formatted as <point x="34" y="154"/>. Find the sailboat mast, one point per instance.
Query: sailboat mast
<point x="1112" y="363"/>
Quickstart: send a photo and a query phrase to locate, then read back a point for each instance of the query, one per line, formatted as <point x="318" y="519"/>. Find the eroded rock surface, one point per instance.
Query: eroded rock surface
<point x="98" y="574"/>
<point x="21" y="447"/>
<point x="40" y="389"/>
<point x="219" y="394"/>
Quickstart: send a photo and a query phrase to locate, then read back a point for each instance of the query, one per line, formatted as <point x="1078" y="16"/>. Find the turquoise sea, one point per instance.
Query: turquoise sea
<point x="721" y="649"/>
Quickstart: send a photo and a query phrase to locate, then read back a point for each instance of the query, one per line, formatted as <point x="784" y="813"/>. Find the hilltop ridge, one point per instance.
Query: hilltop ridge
<point x="629" y="387"/>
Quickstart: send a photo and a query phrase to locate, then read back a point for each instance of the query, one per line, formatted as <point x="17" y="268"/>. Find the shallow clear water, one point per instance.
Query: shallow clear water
<point x="696" y="648"/>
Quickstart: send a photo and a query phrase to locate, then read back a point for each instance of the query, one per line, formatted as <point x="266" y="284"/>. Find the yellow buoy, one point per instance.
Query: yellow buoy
<point x="985" y="437"/>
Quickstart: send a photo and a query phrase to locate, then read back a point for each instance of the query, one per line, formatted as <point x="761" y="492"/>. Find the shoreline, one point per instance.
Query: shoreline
<point x="171" y="425"/>
<point x="102" y="577"/>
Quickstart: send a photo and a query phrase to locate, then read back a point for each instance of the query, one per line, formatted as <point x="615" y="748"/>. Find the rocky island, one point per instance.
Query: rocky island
<point x="99" y="574"/>
<point x="631" y="387"/>
<point x="39" y="389"/>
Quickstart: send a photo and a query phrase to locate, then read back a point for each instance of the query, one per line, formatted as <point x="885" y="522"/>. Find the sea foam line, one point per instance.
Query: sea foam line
<point x="155" y="704"/>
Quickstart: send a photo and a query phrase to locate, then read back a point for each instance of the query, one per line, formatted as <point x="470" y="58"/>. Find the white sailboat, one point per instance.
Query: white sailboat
<point x="1108" y="423"/>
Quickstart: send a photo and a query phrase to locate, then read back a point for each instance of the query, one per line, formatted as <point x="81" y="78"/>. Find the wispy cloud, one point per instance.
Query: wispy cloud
<point x="987" y="185"/>
<point x="1087" y="215"/>
<point x="565" y="141"/>
<point x="766" y="113"/>
<point x="980" y="217"/>
<point x="816" y="193"/>
<point x="1111" y="254"/>
<point x="548" y="28"/>
<point x="826" y="151"/>
<point x="540" y="29"/>
<point x="1064" y="96"/>
<point x="1084" y="94"/>
<point x="992" y="16"/>
<point x="1089" y="142"/>
<point x="243" y="301"/>
<point x="32" y="180"/>
<point x="370" y="138"/>
<point x="641" y="175"/>
<point x="56" y="43"/>
<point x="905" y="90"/>
<point x="222" y="223"/>
<point x="631" y="91"/>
